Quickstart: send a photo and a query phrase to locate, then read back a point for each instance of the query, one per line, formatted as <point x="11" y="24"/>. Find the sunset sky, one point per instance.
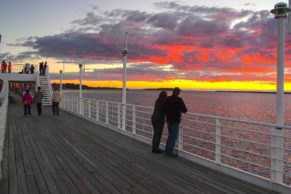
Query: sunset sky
<point x="199" y="45"/>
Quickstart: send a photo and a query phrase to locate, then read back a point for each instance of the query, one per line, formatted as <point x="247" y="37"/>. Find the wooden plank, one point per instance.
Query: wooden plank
<point x="67" y="154"/>
<point x="56" y="178"/>
<point x="20" y="175"/>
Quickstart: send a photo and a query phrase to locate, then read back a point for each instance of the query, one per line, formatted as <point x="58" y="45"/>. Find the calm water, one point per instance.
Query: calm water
<point x="247" y="106"/>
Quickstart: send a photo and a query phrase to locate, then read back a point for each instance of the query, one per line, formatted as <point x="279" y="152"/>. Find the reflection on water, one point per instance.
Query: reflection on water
<point x="248" y="106"/>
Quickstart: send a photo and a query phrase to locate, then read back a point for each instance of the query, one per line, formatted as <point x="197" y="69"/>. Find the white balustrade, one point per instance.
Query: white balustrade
<point x="3" y="117"/>
<point x="237" y="144"/>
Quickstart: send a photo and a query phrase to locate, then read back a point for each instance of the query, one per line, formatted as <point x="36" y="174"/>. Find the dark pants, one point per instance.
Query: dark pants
<point x="38" y="105"/>
<point x="173" y="129"/>
<point x="27" y="109"/>
<point x="55" y="108"/>
<point x="158" y="131"/>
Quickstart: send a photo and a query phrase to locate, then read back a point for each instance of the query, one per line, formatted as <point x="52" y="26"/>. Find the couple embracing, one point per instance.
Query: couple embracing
<point x="167" y="109"/>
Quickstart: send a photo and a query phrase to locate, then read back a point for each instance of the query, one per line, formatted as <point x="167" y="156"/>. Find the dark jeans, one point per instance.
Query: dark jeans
<point x="38" y="105"/>
<point x="158" y="131"/>
<point x="27" y="109"/>
<point x="173" y="129"/>
<point x="55" y="108"/>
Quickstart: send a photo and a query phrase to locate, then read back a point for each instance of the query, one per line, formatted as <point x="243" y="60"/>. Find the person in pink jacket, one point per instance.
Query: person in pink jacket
<point x="27" y="101"/>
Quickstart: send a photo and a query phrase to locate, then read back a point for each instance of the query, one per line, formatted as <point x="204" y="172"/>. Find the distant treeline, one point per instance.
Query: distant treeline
<point x="165" y="89"/>
<point x="72" y="86"/>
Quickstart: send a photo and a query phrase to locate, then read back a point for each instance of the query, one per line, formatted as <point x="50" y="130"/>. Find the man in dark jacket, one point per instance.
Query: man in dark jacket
<point x="174" y="106"/>
<point x="38" y="96"/>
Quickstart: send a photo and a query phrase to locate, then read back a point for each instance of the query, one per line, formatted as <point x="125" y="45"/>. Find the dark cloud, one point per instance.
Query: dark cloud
<point x="190" y="38"/>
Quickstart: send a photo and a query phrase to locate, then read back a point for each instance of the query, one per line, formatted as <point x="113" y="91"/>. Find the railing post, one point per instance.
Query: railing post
<point x="133" y="121"/>
<point x="107" y="113"/>
<point x="78" y="105"/>
<point x="72" y="105"/>
<point x="118" y="116"/>
<point x="181" y="133"/>
<point x="97" y="110"/>
<point x="81" y="105"/>
<point x="218" y="141"/>
<point x="89" y="111"/>
<point x="277" y="155"/>
<point x="123" y="116"/>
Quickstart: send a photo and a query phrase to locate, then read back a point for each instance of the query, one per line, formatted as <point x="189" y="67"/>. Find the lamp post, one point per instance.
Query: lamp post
<point x="81" y="81"/>
<point x="280" y="11"/>
<point x="289" y="18"/>
<point x="124" y="59"/>
<point x="61" y="83"/>
<point x="80" y="89"/>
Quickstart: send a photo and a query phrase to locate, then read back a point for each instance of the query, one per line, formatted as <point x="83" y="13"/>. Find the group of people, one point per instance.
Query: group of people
<point x="27" y="100"/>
<point x="28" y="68"/>
<point x="6" y="68"/>
<point x="167" y="109"/>
<point x="42" y="68"/>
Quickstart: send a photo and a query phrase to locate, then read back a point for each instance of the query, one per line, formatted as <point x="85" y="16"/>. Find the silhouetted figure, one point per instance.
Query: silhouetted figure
<point x="3" y="66"/>
<point x="40" y="68"/>
<point x="38" y="96"/>
<point x="26" y="68"/>
<point x="31" y="69"/>
<point x="174" y="106"/>
<point x="158" y="122"/>
<point x="9" y="67"/>
<point x="44" y="68"/>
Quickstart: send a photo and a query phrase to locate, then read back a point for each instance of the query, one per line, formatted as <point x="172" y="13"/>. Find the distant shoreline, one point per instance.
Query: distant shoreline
<point x="85" y="87"/>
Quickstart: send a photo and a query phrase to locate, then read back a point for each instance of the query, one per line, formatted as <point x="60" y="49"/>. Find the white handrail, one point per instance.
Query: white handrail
<point x="236" y="144"/>
<point x="3" y="117"/>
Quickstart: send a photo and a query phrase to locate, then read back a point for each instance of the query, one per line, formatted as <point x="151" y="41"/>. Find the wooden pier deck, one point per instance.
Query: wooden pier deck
<point x="67" y="154"/>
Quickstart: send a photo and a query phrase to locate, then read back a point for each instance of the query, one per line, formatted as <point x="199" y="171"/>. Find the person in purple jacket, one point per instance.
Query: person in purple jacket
<point x="27" y="101"/>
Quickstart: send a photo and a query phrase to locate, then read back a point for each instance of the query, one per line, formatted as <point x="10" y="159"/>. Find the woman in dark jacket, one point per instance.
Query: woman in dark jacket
<point x="158" y="121"/>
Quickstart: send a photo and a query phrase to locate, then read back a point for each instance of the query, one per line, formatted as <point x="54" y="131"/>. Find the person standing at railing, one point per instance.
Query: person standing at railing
<point x="56" y="99"/>
<point x="158" y="121"/>
<point x="31" y="69"/>
<point x="27" y="101"/>
<point x="38" y="96"/>
<point x="26" y="68"/>
<point x="40" y="68"/>
<point x="44" y="68"/>
<point x="9" y="67"/>
<point x="3" y="66"/>
<point x="174" y="106"/>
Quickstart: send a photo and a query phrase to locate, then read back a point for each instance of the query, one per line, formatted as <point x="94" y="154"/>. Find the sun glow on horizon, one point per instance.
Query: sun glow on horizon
<point x="185" y="84"/>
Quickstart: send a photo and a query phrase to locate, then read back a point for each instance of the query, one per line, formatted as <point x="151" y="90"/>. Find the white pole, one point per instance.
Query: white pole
<point x="0" y="44"/>
<point x="80" y="89"/>
<point x="277" y="139"/>
<point x="289" y="18"/>
<point x="124" y="58"/>
<point x="61" y="81"/>
<point x="81" y="81"/>
<point x="280" y="72"/>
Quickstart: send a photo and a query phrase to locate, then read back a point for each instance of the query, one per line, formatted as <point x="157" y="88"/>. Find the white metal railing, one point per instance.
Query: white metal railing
<point x="3" y="116"/>
<point x="19" y="69"/>
<point x="245" y="146"/>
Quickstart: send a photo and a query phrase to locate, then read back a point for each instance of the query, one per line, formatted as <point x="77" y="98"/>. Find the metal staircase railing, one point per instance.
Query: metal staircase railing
<point x="44" y="83"/>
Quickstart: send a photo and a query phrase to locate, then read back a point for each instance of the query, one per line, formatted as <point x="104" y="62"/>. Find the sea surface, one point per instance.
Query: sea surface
<point x="240" y="105"/>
